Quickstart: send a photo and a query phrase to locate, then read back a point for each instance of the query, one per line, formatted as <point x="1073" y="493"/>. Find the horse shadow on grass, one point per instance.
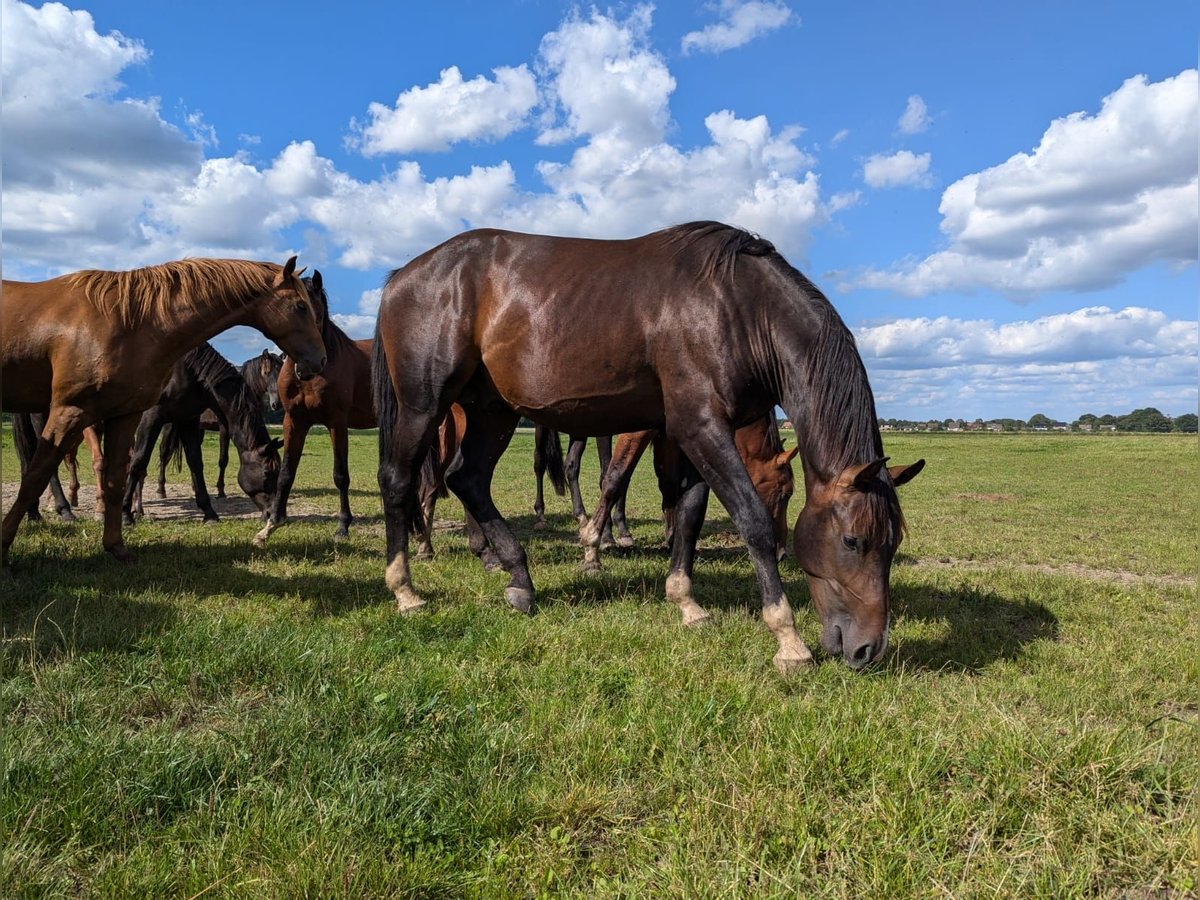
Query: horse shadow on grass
<point x="53" y="607"/>
<point x="962" y="630"/>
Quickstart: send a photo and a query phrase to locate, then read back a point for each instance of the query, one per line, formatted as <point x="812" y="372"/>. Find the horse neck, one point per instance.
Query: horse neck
<point x="823" y="387"/>
<point x="207" y="315"/>
<point x="234" y="399"/>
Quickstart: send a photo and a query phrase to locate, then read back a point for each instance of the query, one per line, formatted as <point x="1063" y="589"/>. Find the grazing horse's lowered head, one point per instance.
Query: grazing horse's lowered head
<point x="845" y="539"/>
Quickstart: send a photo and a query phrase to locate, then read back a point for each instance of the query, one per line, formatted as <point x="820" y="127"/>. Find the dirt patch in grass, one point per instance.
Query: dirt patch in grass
<point x="1071" y="570"/>
<point x="986" y="498"/>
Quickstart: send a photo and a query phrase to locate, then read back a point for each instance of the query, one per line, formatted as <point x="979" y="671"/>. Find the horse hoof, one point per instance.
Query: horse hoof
<point x="66" y="515"/>
<point x="423" y="554"/>
<point x="519" y="599"/>
<point x="539" y="524"/>
<point x="162" y="494"/>
<point x="211" y="520"/>
<point x="407" y="601"/>
<point x="221" y="495"/>
<point x="792" y="664"/>
<point x="121" y="553"/>
<point x="590" y="566"/>
<point x="697" y="618"/>
<point x="625" y="541"/>
<point x="127" y="521"/>
<point x="341" y="536"/>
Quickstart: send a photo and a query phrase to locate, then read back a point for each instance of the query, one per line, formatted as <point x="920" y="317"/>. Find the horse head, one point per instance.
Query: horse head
<point x="288" y="316"/>
<point x="845" y="540"/>
<point x="258" y="473"/>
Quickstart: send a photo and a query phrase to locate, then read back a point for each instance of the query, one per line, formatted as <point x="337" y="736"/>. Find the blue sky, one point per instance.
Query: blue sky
<point x="1000" y="198"/>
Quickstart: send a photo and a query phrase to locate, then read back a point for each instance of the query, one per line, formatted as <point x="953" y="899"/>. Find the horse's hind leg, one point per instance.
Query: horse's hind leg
<point x="615" y="483"/>
<point x="63" y="427"/>
<point x="490" y="425"/>
<point x="118" y="440"/>
<point x="150" y="425"/>
<point x="294" y="435"/>
<point x="192" y="436"/>
<point x="539" y="472"/>
<point x="222" y="460"/>
<point x="340" y="439"/>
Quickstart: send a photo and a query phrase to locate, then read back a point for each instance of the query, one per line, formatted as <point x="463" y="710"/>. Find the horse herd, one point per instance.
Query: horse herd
<point x="685" y="340"/>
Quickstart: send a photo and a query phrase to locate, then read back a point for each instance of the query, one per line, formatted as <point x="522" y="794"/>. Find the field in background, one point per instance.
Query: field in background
<point x="261" y="723"/>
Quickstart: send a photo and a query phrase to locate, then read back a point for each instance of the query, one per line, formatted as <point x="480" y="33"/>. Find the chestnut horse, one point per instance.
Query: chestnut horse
<point x="98" y="347"/>
<point x="695" y="330"/>
<point x="564" y="474"/>
<point x="339" y="398"/>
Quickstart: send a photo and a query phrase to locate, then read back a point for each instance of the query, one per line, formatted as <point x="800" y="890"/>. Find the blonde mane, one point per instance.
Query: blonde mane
<point x="182" y="286"/>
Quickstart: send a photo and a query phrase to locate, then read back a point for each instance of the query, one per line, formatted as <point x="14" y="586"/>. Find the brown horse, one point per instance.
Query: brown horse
<point x="339" y="398"/>
<point x="760" y="447"/>
<point x="98" y="347"/>
<point x="564" y="474"/>
<point x="695" y="330"/>
<point x="442" y="459"/>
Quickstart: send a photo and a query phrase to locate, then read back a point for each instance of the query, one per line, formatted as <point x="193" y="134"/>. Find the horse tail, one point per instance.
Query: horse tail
<point x="432" y="477"/>
<point x="387" y="412"/>
<point x="170" y="448"/>
<point x="25" y="438"/>
<point x="551" y="450"/>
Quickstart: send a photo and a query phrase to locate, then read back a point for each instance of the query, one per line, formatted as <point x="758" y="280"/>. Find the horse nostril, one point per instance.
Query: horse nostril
<point x="861" y="656"/>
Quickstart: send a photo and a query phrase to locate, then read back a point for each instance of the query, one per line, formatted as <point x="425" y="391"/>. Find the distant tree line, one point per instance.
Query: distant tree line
<point x="1147" y="419"/>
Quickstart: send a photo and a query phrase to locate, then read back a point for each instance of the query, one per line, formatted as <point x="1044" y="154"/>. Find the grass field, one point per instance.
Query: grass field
<point x="219" y="720"/>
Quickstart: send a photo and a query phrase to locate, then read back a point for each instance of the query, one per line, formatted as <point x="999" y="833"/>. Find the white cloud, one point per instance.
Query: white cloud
<point x="915" y="117"/>
<point x="605" y="78"/>
<point x="741" y="22"/>
<point x="450" y="110"/>
<point x="357" y="326"/>
<point x="902" y="168"/>
<point x="1093" y="359"/>
<point x="1100" y="197"/>
<point x="839" y="137"/>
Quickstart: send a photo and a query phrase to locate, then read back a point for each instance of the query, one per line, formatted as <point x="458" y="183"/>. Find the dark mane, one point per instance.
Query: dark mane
<point x="331" y="335"/>
<point x="711" y="249"/>
<point x="774" y="438"/>
<point x="234" y="398"/>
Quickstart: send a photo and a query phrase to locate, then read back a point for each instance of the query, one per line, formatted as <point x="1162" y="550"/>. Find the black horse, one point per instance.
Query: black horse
<point x="261" y="373"/>
<point x="703" y="328"/>
<point x="202" y="380"/>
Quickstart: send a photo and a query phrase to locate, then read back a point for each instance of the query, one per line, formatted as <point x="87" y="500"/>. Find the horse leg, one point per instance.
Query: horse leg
<point x="575" y="448"/>
<point x="191" y="436"/>
<point x="479" y="545"/>
<point x="144" y="438"/>
<point x="710" y="448"/>
<point x="340" y="438"/>
<point x="604" y="446"/>
<point x="162" y="476"/>
<point x="668" y="471"/>
<point x="62" y="505"/>
<point x="222" y="460"/>
<point x="539" y="472"/>
<point x="616" y="482"/>
<point x="63" y="427"/>
<point x="490" y="427"/>
<point x="72" y="498"/>
<point x="691" y="504"/>
<point x="604" y="454"/>
<point x="118" y="440"/>
<point x="294" y="435"/>
<point x="428" y="496"/>
<point x="92" y="436"/>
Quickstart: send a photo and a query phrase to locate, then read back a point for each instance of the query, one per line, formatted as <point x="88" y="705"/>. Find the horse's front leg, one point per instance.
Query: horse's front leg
<point x="222" y="460"/>
<point x="340" y="437"/>
<point x="294" y="435"/>
<point x="710" y="448"/>
<point x="191" y="436"/>
<point x="118" y="441"/>
<point x="617" y="473"/>
<point x="574" y="460"/>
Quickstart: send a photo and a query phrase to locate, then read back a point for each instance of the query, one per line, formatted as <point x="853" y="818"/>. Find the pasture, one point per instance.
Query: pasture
<point x="230" y="721"/>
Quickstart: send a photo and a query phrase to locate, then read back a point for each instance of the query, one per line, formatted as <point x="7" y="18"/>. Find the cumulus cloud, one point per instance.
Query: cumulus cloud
<point x="1100" y="197"/>
<point x="900" y="169"/>
<point x="741" y="22"/>
<point x="915" y="117"/>
<point x="434" y="117"/>
<point x="1093" y="359"/>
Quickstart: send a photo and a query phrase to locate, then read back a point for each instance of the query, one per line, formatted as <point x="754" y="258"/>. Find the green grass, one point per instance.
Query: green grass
<point x="256" y="723"/>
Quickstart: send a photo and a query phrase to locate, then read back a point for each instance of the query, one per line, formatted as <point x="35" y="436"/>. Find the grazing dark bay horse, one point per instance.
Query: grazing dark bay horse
<point x="261" y="374"/>
<point x="201" y="380"/>
<point x="98" y="347"/>
<point x="704" y="328"/>
<point x="339" y="398"/>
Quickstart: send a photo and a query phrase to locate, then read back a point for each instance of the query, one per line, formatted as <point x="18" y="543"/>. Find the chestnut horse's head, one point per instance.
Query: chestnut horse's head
<point x="287" y="316"/>
<point x="775" y="483"/>
<point x="845" y="539"/>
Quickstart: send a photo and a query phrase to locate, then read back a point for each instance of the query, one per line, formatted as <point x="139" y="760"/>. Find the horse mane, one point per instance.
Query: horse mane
<point x="774" y="438"/>
<point x="225" y="383"/>
<point x="331" y="335"/>
<point x="712" y="247"/>
<point x="135" y="295"/>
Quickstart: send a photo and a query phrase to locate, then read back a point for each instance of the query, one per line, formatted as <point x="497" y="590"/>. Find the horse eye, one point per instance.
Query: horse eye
<point x="301" y="307"/>
<point x="850" y="543"/>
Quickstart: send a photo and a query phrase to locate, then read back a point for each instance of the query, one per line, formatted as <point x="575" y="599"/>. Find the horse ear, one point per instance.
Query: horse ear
<point x="784" y="458"/>
<point x="317" y="282"/>
<point x="858" y="478"/>
<point x="904" y="474"/>
<point x="289" y="269"/>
